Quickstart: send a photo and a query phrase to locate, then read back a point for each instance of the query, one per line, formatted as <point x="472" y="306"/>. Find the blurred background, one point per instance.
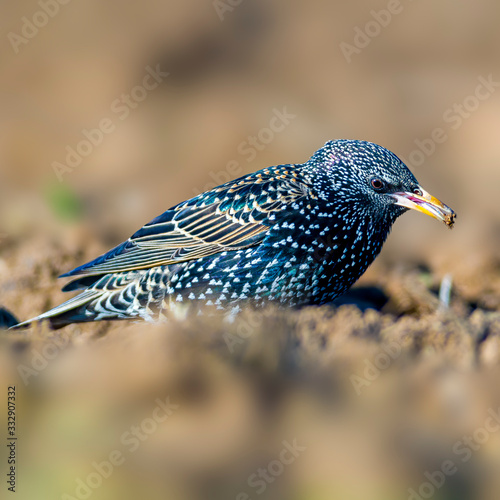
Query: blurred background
<point x="112" y="112"/>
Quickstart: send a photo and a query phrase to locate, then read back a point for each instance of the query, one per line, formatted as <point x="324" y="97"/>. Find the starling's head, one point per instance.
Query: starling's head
<point x="370" y="178"/>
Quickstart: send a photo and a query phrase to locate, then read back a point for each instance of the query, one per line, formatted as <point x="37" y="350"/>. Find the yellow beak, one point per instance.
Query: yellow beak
<point x="426" y="204"/>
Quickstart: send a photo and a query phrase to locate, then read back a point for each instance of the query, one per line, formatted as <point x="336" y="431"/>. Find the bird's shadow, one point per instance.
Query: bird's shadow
<point x="363" y="297"/>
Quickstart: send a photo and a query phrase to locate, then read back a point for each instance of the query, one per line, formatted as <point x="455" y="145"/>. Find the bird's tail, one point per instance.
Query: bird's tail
<point x="74" y="310"/>
<point x="111" y="297"/>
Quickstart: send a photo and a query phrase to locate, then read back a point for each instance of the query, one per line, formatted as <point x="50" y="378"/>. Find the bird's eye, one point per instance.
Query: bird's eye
<point x="418" y="192"/>
<point x="377" y="184"/>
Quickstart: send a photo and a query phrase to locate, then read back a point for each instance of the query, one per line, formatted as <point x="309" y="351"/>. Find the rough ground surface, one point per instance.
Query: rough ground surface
<point x="374" y="398"/>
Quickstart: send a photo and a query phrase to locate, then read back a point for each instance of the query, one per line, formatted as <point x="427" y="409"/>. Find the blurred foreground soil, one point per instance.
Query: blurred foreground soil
<point x="371" y="395"/>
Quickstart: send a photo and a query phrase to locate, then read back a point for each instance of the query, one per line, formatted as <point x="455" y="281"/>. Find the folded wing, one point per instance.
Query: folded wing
<point x="230" y="217"/>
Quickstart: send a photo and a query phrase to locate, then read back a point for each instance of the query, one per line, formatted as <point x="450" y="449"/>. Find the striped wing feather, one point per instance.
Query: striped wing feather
<point x="230" y="217"/>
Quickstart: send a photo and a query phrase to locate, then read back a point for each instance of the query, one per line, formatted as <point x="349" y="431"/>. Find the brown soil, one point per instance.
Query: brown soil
<point x="245" y="388"/>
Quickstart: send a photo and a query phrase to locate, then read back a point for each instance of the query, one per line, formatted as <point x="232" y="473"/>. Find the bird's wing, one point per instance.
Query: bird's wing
<point x="230" y="217"/>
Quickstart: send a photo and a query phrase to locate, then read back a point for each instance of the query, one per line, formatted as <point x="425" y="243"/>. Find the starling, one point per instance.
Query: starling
<point x="290" y="235"/>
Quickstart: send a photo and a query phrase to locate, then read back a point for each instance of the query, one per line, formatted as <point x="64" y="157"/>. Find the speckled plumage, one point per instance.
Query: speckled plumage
<point x="289" y="234"/>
